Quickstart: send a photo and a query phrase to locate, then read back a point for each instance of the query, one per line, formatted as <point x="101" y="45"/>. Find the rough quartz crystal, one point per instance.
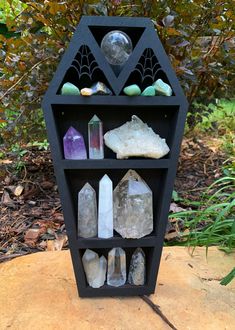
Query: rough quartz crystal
<point x="74" y="146"/>
<point x="116" y="47"/>
<point x="87" y="212"/>
<point x="137" y="270"/>
<point x="100" y="88"/>
<point x="133" y="207"/>
<point x="105" y="213"/>
<point x="116" y="267"/>
<point x="134" y="139"/>
<point x="95" y="268"/>
<point x="95" y="137"/>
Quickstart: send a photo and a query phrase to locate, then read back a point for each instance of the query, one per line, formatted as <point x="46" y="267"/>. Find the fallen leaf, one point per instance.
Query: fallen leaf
<point x="31" y="236"/>
<point x="6" y="200"/>
<point x="175" y="208"/>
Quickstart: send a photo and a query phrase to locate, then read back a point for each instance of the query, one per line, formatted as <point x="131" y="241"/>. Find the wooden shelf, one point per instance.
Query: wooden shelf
<point x="147" y="241"/>
<point x="124" y="290"/>
<point x="114" y="163"/>
<point x="105" y="100"/>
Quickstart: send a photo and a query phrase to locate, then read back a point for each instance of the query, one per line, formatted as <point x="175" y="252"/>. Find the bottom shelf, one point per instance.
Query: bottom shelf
<point x="130" y="266"/>
<point x="121" y="291"/>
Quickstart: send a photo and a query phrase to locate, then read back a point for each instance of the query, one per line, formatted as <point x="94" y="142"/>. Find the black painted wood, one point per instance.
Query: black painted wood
<point x="166" y="115"/>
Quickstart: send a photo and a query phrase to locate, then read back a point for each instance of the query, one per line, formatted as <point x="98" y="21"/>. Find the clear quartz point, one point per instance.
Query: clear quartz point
<point x="95" y="137"/>
<point x="95" y="268"/>
<point x="133" y="207"/>
<point x="116" y="267"/>
<point x="105" y="212"/>
<point x="87" y="212"/>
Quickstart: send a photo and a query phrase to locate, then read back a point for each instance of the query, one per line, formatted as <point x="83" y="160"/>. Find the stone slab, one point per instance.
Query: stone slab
<point x="38" y="291"/>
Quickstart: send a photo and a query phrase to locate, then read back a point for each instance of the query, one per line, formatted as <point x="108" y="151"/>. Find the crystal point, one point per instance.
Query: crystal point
<point x="87" y="212"/>
<point x="74" y="146"/>
<point x="105" y="213"/>
<point x="95" y="268"/>
<point x="137" y="270"/>
<point x="95" y="137"/>
<point x="116" y="267"/>
<point x="133" y="209"/>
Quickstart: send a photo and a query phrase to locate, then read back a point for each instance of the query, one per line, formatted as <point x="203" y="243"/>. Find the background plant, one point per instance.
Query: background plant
<point x="212" y="220"/>
<point x="197" y="36"/>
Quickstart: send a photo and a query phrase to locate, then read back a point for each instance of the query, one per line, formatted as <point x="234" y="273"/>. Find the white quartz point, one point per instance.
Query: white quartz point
<point x="136" y="139"/>
<point x="105" y="213"/>
<point x="95" y="268"/>
<point x="116" y="275"/>
<point x="87" y="212"/>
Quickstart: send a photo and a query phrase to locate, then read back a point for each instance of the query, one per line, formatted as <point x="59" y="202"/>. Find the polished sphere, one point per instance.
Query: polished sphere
<point x="117" y="47"/>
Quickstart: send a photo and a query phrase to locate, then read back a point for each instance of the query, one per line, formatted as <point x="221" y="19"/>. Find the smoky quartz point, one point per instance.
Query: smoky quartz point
<point x="133" y="207"/>
<point x="137" y="270"/>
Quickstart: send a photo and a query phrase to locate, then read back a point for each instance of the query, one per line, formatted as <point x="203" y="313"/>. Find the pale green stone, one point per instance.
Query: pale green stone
<point x="132" y="90"/>
<point x="149" y="91"/>
<point x="162" y="88"/>
<point x="69" y="89"/>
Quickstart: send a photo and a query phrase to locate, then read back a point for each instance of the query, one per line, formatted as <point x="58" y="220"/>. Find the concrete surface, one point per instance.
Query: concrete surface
<point x="38" y="291"/>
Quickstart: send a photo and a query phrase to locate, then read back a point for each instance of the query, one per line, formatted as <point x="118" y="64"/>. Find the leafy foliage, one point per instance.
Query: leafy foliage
<point x="197" y="35"/>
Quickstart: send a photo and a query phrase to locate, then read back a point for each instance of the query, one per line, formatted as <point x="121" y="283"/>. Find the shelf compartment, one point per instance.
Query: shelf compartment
<point x="161" y="120"/>
<point x="114" y="163"/>
<point x="76" y="179"/>
<point x="126" y="289"/>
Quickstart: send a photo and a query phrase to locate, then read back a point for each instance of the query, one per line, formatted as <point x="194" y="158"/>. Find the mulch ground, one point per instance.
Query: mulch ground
<point x="31" y="218"/>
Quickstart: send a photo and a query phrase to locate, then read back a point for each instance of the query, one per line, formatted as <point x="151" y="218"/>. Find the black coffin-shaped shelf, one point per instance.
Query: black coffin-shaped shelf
<point x="83" y="64"/>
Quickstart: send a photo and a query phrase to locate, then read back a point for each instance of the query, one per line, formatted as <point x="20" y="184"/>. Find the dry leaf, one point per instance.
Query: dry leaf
<point x="175" y="208"/>
<point x="6" y="200"/>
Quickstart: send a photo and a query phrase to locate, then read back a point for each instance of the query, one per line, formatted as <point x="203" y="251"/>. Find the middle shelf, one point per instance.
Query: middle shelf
<point x="113" y="163"/>
<point x="96" y="242"/>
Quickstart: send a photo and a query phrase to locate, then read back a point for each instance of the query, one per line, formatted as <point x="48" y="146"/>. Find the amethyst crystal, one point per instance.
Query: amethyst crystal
<point x="74" y="146"/>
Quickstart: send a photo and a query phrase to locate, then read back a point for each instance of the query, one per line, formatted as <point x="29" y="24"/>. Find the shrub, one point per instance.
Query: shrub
<point x="197" y="36"/>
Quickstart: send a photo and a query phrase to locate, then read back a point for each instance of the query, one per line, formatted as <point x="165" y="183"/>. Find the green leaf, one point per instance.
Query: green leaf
<point x="228" y="278"/>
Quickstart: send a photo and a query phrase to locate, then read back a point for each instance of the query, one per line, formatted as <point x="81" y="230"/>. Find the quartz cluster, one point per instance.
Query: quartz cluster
<point x="135" y="138"/>
<point x="95" y="268"/>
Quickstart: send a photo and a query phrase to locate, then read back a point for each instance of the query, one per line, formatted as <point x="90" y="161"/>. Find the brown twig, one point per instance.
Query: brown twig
<point x="157" y="310"/>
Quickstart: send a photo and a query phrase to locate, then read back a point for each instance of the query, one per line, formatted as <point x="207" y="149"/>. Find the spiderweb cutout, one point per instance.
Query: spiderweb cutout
<point x="147" y="71"/>
<point x="85" y="64"/>
<point x="84" y="70"/>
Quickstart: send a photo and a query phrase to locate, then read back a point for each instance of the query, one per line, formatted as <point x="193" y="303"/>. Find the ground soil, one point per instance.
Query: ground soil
<point x="31" y="218"/>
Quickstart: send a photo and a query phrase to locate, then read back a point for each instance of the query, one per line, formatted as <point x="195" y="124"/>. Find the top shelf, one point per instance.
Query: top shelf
<point x="116" y="100"/>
